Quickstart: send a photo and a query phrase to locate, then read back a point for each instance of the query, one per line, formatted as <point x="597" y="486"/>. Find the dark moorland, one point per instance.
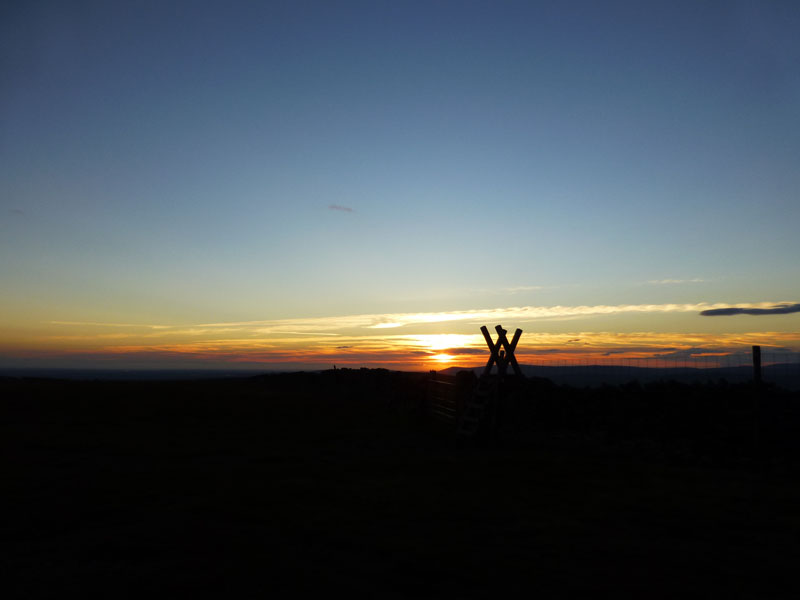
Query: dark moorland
<point x="341" y="483"/>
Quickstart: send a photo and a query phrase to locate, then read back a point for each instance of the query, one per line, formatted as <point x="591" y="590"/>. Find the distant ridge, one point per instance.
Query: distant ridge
<point x="129" y="374"/>
<point x="785" y="375"/>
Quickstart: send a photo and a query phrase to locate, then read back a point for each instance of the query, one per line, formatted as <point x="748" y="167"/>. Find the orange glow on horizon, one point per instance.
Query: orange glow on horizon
<point x="354" y="341"/>
<point x="443" y="358"/>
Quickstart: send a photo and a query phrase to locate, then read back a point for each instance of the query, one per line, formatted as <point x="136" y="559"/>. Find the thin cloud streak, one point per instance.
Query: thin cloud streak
<point x="523" y="288"/>
<point x="675" y="281"/>
<point x="778" y="309"/>
<point x="99" y="324"/>
<point x="525" y="314"/>
<point x="520" y="314"/>
<point x="340" y="208"/>
<point x="515" y="289"/>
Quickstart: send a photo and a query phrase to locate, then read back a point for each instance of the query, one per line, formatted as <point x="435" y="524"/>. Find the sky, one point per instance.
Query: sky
<point x="297" y="184"/>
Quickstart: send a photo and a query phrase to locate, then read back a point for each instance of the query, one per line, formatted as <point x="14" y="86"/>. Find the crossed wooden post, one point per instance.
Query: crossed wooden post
<point x="502" y="356"/>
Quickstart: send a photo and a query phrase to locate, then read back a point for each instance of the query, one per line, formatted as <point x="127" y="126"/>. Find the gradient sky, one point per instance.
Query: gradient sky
<point x="260" y="183"/>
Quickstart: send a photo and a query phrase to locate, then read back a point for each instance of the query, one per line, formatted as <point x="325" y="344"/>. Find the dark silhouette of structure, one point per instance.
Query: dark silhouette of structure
<point x="468" y="403"/>
<point x="502" y="357"/>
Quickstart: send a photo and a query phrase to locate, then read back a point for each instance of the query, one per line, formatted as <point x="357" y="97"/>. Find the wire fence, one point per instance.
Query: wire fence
<point x="779" y="368"/>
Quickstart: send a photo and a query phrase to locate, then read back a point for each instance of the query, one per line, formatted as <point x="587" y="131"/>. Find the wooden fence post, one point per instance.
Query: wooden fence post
<point x="757" y="365"/>
<point x="757" y="401"/>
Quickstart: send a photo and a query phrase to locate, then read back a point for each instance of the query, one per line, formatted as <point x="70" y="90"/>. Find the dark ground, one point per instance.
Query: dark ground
<point x="293" y="484"/>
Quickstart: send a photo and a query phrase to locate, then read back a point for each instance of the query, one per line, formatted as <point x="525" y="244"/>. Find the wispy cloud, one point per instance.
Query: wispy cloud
<point x="511" y="289"/>
<point x="101" y="324"/>
<point x="17" y="212"/>
<point x="308" y="333"/>
<point x="523" y="314"/>
<point x="341" y="208"/>
<point x="350" y="324"/>
<point x="523" y="288"/>
<point x="467" y="351"/>
<point x="778" y="309"/>
<point x="675" y="281"/>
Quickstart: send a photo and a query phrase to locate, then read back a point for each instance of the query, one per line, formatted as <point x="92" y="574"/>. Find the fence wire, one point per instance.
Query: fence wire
<point x="778" y="368"/>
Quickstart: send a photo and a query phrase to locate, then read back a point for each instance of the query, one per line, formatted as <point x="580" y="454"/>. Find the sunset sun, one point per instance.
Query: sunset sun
<point x="442" y="358"/>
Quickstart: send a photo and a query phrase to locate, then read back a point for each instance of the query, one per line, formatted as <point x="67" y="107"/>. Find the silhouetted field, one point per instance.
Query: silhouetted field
<point x="339" y="483"/>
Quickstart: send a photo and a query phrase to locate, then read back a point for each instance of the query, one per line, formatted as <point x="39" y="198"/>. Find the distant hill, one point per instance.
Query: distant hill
<point x="126" y="374"/>
<point x="784" y="375"/>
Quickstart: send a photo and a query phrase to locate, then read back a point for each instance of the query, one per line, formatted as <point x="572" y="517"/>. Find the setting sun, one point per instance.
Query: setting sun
<point x="442" y="358"/>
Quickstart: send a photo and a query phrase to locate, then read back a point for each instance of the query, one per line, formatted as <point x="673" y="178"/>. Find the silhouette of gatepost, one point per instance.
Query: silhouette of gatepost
<point x="486" y="395"/>
<point x="502" y="352"/>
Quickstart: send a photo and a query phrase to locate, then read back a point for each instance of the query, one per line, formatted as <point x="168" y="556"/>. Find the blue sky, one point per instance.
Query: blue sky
<point x="178" y="163"/>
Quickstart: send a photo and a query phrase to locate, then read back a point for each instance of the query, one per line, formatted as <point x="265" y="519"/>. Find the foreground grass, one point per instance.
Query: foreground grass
<point x="287" y="487"/>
